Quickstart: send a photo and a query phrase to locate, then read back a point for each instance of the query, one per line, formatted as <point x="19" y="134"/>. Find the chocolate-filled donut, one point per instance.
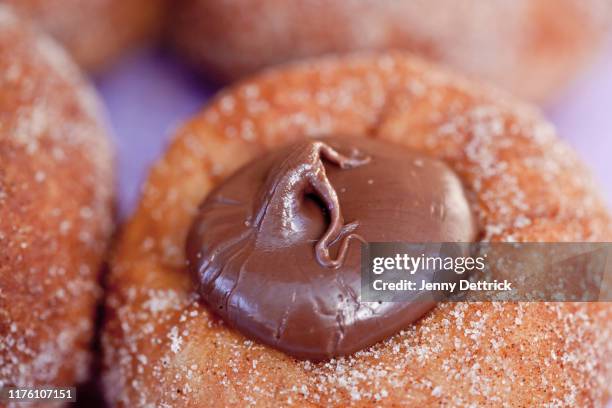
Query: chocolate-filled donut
<point x="163" y="345"/>
<point x="275" y="248"/>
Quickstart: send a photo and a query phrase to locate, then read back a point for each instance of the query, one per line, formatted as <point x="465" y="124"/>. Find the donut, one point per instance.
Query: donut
<point x="167" y="341"/>
<point x="532" y="48"/>
<point x="94" y="32"/>
<point x="56" y="191"/>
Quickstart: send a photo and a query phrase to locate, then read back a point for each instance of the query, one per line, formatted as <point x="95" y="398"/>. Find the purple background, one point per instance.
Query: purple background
<point x="148" y="94"/>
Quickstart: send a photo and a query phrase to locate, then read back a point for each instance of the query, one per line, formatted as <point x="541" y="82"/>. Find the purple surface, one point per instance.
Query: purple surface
<point x="583" y="116"/>
<point x="149" y="94"/>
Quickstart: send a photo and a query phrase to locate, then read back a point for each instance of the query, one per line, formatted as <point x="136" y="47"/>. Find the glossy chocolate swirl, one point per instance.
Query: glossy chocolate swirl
<point x="274" y="249"/>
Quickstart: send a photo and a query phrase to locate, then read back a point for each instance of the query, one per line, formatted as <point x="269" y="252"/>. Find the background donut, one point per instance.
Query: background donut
<point x="162" y="346"/>
<point x="56" y="189"/>
<point x="94" y="32"/>
<point x="530" y="47"/>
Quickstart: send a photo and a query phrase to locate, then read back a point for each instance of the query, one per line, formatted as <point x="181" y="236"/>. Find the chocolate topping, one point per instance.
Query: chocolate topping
<point x="275" y="248"/>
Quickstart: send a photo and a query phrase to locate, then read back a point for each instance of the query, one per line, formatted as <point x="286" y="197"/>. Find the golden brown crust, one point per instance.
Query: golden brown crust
<point x="163" y="347"/>
<point x="55" y="209"/>
<point x="531" y="47"/>
<point x="94" y="32"/>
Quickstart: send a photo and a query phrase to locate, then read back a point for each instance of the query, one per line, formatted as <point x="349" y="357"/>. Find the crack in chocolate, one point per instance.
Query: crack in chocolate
<point x="300" y="174"/>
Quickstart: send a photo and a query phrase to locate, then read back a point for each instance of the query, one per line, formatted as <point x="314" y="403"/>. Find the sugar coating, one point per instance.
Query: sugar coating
<point x="94" y="33"/>
<point x="164" y="348"/>
<point x="55" y="209"/>
<point x="531" y="47"/>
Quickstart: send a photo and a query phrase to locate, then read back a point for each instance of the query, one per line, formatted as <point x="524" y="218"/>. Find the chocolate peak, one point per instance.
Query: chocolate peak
<point x="269" y="249"/>
<point x="301" y="175"/>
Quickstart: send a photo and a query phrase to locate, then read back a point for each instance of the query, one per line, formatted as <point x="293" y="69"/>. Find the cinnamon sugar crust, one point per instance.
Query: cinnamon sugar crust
<point x="162" y="347"/>
<point x="95" y="32"/>
<point x="55" y="209"/>
<point x="530" y="47"/>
